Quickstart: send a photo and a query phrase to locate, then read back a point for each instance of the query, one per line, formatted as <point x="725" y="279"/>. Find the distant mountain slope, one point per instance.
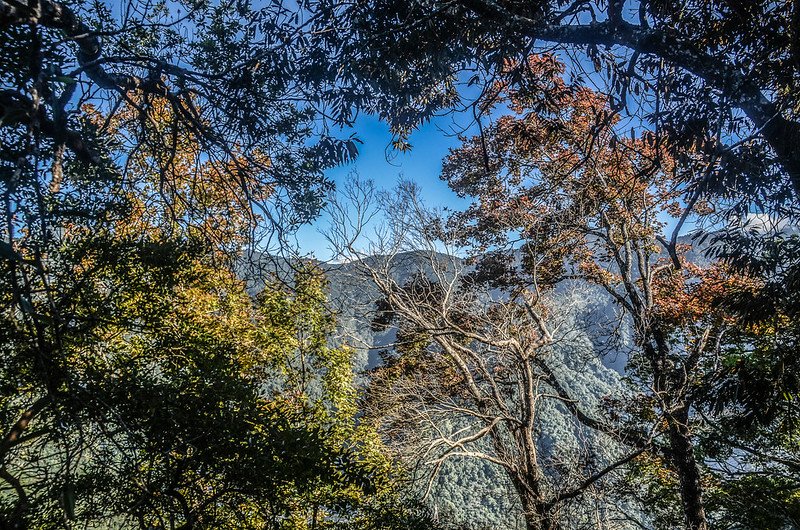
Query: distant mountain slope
<point x="589" y="360"/>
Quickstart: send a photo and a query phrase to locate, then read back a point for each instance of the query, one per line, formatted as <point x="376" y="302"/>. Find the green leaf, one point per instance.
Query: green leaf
<point x="8" y="252"/>
<point x="26" y="305"/>
<point x="64" y="79"/>
<point x="68" y="498"/>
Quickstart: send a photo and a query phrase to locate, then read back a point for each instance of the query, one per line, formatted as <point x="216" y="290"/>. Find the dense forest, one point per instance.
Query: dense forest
<point x="605" y="337"/>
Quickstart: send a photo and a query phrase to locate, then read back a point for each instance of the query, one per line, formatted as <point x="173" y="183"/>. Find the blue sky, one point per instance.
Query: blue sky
<point x="379" y="162"/>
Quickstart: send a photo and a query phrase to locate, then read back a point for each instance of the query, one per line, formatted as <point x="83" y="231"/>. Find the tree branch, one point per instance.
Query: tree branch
<point x="13" y="435"/>
<point x="18" y="110"/>
<point x="561" y="497"/>
<point x="780" y="133"/>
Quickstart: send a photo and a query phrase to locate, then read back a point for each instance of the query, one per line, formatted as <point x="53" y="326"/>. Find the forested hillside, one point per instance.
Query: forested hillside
<point x="600" y="332"/>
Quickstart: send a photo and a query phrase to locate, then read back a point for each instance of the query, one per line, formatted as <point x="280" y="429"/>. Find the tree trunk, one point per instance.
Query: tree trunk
<point x="673" y="385"/>
<point x="537" y="514"/>
<point x="529" y="509"/>
<point x="682" y="453"/>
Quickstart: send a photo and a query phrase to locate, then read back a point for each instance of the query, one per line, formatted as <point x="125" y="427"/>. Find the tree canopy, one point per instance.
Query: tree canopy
<point x="720" y="77"/>
<point x="148" y="147"/>
<point x="143" y="147"/>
